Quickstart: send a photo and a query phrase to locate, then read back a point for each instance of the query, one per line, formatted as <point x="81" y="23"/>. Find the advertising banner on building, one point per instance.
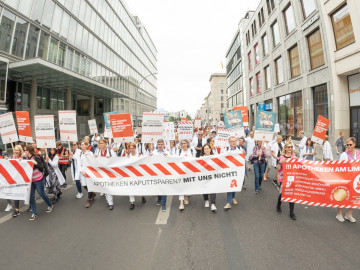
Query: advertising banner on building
<point x="265" y="126"/>
<point x="24" y="126"/>
<point x="107" y="127"/>
<point x="168" y="131"/>
<point x="121" y="127"/>
<point x="234" y="122"/>
<point x="322" y="183"/>
<point x="165" y="175"/>
<point x="92" y="126"/>
<point x="354" y="89"/>
<point x="185" y="131"/>
<point x="244" y="113"/>
<point x="15" y="179"/>
<point x="45" y="131"/>
<point x="152" y="127"/>
<point x="222" y="138"/>
<point x="7" y="128"/>
<point x="197" y="123"/>
<point x="320" y="130"/>
<point x="68" y="127"/>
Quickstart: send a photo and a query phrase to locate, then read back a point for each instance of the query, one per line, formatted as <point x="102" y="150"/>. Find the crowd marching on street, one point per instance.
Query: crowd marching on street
<point x="51" y="165"/>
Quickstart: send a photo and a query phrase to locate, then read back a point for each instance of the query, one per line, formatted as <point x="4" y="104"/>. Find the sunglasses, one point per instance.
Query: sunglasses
<point x="349" y="144"/>
<point x="289" y="147"/>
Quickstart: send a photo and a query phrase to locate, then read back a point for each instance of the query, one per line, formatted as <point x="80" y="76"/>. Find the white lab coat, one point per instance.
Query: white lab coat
<point x="275" y="148"/>
<point x="250" y="144"/>
<point x="54" y="163"/>
<point x="76" y="165"/>
<point x="327" y="152"/>
<point x="302" y="147"/>
<point x="83" y="165"/>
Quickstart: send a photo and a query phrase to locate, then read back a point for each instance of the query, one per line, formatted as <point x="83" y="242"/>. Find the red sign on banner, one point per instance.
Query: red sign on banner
<point x="244" y="113"/>
<point x="184" y="119"/>
<point x="321" y="128"/>
<point x="322" y="183"/>
<point x="121" y="127"/>
<point x="24" y="127"/>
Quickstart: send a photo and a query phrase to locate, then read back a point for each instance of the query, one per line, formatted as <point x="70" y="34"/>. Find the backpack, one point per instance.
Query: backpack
<point x="42" y="166"/>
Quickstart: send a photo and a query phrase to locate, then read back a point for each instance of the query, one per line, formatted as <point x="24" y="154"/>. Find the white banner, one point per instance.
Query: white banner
<point x="238" y="132"/>
<point x="92" y="126"/>
<point x="15" y="179"/>
<point x="7" y="128"/>
<point x="165" y="175"/>
<point x="152" y="127"/>
<point x="222" y="138"/>
<point x="185" y="131"/>
<point x="197" y="123"/>
<point x="67" y="125"/>
<point x="44" y="131"/>
<point x="168" y="131"/>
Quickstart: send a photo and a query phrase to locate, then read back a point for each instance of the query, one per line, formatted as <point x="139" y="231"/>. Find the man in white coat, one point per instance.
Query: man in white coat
<point x="198" y="142"/>
<point x="302" y="143"/>
<point x="250" y="144"/>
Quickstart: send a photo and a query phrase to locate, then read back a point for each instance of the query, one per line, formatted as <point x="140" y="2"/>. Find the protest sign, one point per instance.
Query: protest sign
<point x="92" y="126"/>
<point x="165" y="175"/>
<point x="183" y="119"/>
<point x="233" y="121"/>
<point x="222" y="138"/>
<point x="15" y="179"/>
<point x="197" y="123"/>
<point x="265" y="126"/>
<point x="320" y="130"/>
<point x="67" y="125"/>
<point x="185" y="131"/>
<point x="277" y="128"/>
<point x="44" y="131"/>
<point x="152" y="127"/>
<point x="244" y="114"/>
<point x="107" y="127"/>
<point x="322" y="183"/>
<point x="121" y="127"/>
<point x="24" y="127"/>
<point x="168" y="131"/>
<point x="7" y="128"/>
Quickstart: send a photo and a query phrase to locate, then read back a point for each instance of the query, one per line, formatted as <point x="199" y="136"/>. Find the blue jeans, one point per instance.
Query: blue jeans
<point x="259" y="169"/>
<point x="39" y="186"/>
<point x="230" y="196"/>
<point x="162" y="199"/>
<point x="78" y="186"/>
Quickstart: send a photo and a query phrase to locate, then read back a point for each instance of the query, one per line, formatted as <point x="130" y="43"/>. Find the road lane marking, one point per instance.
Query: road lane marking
<point x="162" y="217"/>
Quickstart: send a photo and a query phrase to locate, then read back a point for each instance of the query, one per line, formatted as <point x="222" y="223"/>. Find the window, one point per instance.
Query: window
<point x="47" y="15"/>
<point x="279" y="71"/>
<point x="265" y="44"/>
<point x="257" y="57"/>
<point x="270" y="5"/>
<point x="294" y="62"/>
<point x="258" y="83"/>
<point x="6" y="29"/>
<point x="275" y="33"/>
<point x="19" y="38"/>
<point x="267" y="77"/>
<point x="43" y="45"/>
<point x="308" y="7"/>
<point x="32" y="42"/>
<point x="261" y="17"/>
<point x="249" y="58"/>
<point x="343" y="30"/>
<point x="320" y="102"/>
<point x="316" y="50"/>
<point x="53" y="49"/>
<point x="291" y="114"/>
<point x="65" y="25"/>
<point x="289" y="19"/>
<point x="56" y="23"/>
<point x="251" y="82"/>
<point x="37" y="10"/>
<point x="25" y="7"/>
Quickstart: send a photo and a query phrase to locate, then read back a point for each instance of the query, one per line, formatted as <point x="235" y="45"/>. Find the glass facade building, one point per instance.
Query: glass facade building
<point x="91" y="56"/>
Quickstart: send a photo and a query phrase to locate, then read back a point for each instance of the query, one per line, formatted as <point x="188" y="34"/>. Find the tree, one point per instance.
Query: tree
<point x="188" y="117"/>
<point x="171" y="119"/>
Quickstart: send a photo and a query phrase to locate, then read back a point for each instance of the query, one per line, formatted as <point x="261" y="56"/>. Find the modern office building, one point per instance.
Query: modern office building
<point x="302" y="59"/>
<point x="85" y="55"/>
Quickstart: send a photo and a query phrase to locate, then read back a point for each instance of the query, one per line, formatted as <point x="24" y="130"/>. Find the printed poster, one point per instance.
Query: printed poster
<point x="45" y="131"/>
<point x="265" y="125"/>
<point x="197" y="123"/>
<point x="320" y="130"/>
<point x="68" y="127"/>
<point x="244" y="113"/>
<point x="92" y="126"/>
<point x="222" y="138"/>
<point x="168" y="131"/>
<point x="152" y="127"/>
<point x="121" y="127"/>
<point x="185" y="131"/>
<point x="107" y="127"/>
<point x="7" y="128"/>
<point x="24" y="126"/>
<point x="234" y="122"/>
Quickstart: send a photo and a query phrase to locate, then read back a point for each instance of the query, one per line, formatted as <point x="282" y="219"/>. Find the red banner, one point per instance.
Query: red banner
<point x="244" y="113"/>
<point x="24" y="127"/>
<point x="322" y="183"/>
<point x="320" y="130"/>
<point x="121" y="127"/>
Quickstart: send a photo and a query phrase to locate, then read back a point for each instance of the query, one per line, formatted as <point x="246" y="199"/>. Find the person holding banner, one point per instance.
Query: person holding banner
<point x="63" y="155"/>
<point x="327" y="152"/>
<point x="287" y="153"/>
<point x="276" y="150"/>
<point x="90" y="147"/>
<point x="139" y="145"/>
<point x="207" y="151"/>
<point x="55" y="178"/>
<point x="75" y="168"/>
<point x="258" y="159"/>
<point x="172" y="148"/>
<point x="349" y="154"/>
<point x="83" y="154"/>
<point x="37" y="182"/>
<point x="198" y="143"/>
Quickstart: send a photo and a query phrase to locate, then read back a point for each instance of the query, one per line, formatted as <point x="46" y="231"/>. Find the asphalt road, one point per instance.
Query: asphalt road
<point x="251" y="235"/>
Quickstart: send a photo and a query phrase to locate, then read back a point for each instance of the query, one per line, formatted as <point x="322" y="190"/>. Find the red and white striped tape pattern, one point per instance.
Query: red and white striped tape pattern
<point x="15" y="172"/>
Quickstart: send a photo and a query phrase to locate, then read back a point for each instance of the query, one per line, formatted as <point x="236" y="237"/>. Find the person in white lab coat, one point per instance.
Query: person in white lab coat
<point x="76" y="167"/>
<point x="302" y="143"/>
<point x="250" y="144"/>
<point x="327" y="151"/>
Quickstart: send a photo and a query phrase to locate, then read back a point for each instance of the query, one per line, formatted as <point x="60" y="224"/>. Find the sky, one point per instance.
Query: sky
<point x="192" y="38"/>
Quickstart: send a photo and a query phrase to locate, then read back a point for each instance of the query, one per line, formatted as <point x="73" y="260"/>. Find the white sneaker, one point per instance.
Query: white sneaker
<point x="186" y="200"/>
<point x="350" y="218"/>
<point x="207" y="204"/>
<point x="79" y="195"/>
<point x="340" y="218"/>
<point x="8" y="208"/>
<point x="181" y="207"/>
<point x="213" y="207"/>
<point x="102" y="194"/>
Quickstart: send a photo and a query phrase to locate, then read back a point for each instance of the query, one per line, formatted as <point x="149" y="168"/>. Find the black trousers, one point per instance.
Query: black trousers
<point x="212" y="198"/>
<point x="291" y="205"/>
<point x="63" y="168"/>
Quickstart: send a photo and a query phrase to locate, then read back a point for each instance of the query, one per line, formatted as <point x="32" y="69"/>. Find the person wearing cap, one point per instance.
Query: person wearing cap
<point x="139" y="145"/>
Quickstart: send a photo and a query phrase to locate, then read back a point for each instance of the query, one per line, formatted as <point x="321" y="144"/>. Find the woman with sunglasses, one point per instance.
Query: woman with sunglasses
<point x="349" y="154"/>
<point x="287" y="153"/>
<point x="76" y="168"/>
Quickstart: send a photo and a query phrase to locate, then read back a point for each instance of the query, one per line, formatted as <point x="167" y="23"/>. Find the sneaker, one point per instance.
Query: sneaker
<point x="132" y="206"/>
<point x="64" y="185"/>
<point x="79" y="195"/>
<point x="158" y="203"/>
<point x="256" y="191"/>
<point x="234" y="201"/>
<point x="111" y="207"/>
<point x="163" y="208"/>
<point x="143" y="200"/>
<point x="213" y="207"/>
<point x="227" y="206"/>
<point x="16" y="213"/>
<point x="102" y="194"/>
<point x="207" y="204"/>
<point x="186" y="200"/>
<point x="244" y="187"/>
<point x="340" y="218"/>
<point x="33" y="217"/>
<point x="181" y="207"/>
<point x="350" y="218"/>
<point x="8" y="208"/>
<point x="49" y="209"/>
